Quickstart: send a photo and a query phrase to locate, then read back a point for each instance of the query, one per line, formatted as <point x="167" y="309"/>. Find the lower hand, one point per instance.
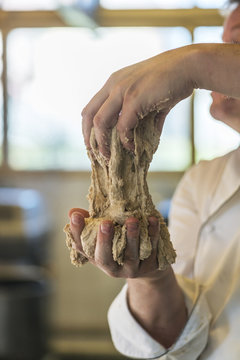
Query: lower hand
<point x="103" y="259"/>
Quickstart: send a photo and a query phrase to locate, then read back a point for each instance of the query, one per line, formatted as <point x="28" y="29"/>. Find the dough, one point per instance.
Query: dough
<point x="119" y="190"/>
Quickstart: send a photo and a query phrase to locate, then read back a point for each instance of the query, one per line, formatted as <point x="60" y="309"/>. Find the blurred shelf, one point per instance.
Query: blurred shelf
<point x="84" y="348"/>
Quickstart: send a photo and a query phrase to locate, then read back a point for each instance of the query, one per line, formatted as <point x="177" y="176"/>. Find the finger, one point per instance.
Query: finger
<point x="153" y="228"/>
<point x="159" y="120"/>
<point x="151" y="263"/>
<point x="131" y="254"/>
<point x="104" y="121"/>
<point x="83" y="212"/>
<point x="90" y="111"/>
<point x="77" y="224"/>
<point x="132" y="248"/>
<point x="103" y="251"/>
<point x="127" y="121"/>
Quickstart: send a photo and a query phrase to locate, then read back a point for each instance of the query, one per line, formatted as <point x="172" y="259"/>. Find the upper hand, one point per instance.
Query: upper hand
<point x="130" y="93"/>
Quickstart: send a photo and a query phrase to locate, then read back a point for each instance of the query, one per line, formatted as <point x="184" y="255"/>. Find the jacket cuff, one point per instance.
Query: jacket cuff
<point x="132" y="340"/>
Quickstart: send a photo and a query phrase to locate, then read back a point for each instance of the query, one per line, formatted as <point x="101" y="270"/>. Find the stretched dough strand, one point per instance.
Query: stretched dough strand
<point x="119" y="190"/>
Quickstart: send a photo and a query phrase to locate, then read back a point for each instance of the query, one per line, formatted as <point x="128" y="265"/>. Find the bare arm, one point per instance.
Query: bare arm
<point x="216" y="67"/>
<point x="154" y="297"/>
<point x="158" y="305"/>
<point x="159" y="83"/>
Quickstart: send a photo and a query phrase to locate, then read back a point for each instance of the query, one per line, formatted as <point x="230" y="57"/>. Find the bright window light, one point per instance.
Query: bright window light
<point x="60" y="70"/>
<point x="161" y="4"/>
<point x="146" y="4"/>
<point x="217" y="4"/>
<point x="111" y="4"/>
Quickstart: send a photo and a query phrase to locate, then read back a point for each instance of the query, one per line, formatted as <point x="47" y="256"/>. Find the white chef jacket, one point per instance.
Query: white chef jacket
<point x="205" y="231"/>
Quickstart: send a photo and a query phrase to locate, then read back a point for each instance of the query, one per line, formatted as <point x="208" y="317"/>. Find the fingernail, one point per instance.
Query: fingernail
<point x="76" y="219"/>
<point x="106" y="228"/>
<point x="132" y="226"/>
<point x="153" y="221"/>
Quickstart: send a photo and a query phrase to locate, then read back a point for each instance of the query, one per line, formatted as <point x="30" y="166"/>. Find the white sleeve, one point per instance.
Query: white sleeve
<point x="185" y="222"/>
<point x="132" y="340"/>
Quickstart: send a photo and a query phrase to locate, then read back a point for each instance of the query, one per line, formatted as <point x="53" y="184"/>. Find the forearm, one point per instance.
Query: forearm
<point x="216" y="67"/>
<point x="157" y="303"/>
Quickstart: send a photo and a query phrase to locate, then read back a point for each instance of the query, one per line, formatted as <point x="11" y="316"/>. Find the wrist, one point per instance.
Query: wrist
<point x="203" y="59"/>
<point x="158" y="305"/>
<point x="194" y="60"/>
<point x="190" y="66"/>
<point x="153" y="278"/>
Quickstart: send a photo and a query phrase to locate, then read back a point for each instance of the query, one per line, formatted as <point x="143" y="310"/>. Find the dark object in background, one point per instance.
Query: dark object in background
<point x="23" y="313"/>
<point x="24" y="229"/>
<point x="24" y="281"/>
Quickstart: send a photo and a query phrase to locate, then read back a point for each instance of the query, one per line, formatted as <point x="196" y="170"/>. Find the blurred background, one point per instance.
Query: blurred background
<point x="55" y="55"/>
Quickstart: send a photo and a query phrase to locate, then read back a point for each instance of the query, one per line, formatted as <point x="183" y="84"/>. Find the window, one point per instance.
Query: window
<point x="56" y="78"/>
<point x="12" y="5"/>
<point x="33" y="4"/>
<point x="161" y="4"/>
<point x="62" y="67"/>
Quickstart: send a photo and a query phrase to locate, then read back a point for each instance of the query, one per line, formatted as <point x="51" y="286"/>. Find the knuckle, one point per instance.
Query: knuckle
<point x="113" y="273"/>
<point x="86" y="112"/>
<point x="113" y="77"/>
<point x="107" y="264"/>
<point x="131" y="255"/>
<point x="131" y="92"/>
<point x="120" y="127"/>
<point x="87" y="119"/>
<point x="87" y="115"/>
<point x="98" y="120"/>
<point x="148" y="267"/>
<point x="117" y="90"/>
<point x="102" y="264"/>
<point x="132" y="274"/>
<point x="131" y="271"/>
<point x="130" y="259"/>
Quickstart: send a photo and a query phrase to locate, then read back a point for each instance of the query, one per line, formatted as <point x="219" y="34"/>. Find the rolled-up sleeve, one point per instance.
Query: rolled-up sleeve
<point x="132" y="340"/>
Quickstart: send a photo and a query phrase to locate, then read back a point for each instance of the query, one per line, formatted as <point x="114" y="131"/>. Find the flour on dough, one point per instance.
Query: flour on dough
<point x="119" y="190"/>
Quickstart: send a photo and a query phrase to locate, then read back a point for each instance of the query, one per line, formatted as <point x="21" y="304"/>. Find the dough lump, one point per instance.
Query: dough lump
<point x="119" y="190"/>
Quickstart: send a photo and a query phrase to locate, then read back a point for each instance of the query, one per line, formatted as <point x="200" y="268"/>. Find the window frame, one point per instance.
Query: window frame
<point x="187" y="18"/>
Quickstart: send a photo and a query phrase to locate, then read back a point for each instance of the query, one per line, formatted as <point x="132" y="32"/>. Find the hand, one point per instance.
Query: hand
<point x="103" y="259"/>
<point x="154" y="297"/>
<point x="156" y="84"/>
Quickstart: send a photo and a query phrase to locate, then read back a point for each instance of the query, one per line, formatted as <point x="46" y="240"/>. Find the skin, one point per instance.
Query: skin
<point x="224" y="108"/>
<point x="157" y="83"/>
<point x="143" y="277"/>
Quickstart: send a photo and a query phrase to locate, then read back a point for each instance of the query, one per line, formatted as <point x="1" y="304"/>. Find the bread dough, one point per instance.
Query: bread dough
<point x="119" y="190"/>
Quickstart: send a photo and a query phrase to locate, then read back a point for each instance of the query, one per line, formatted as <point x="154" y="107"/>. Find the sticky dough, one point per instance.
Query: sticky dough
<point x="119" y="190"/>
